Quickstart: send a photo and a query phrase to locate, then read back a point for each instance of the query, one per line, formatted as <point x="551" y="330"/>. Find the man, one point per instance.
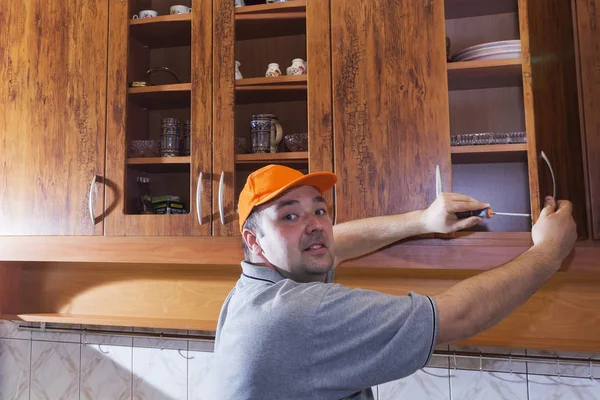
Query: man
<point x="285" y="332"/>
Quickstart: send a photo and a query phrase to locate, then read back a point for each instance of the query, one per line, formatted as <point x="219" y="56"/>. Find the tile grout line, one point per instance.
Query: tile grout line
<point x="30" y="361"/>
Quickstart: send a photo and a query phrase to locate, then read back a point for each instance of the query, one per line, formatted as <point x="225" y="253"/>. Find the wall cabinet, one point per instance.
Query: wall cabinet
<point x="397" y="101"/>
<point x="53" y="117"/>
<point x="588" y="21"/>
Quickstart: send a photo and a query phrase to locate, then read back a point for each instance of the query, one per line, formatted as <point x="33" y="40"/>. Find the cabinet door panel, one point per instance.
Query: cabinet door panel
<point x="588" y="26"/>
<point x="391" y="124"/>
<point x="52" y="116"/>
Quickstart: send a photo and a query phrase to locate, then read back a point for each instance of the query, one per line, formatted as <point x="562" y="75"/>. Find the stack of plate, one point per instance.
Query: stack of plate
<point x="489" y="51"/>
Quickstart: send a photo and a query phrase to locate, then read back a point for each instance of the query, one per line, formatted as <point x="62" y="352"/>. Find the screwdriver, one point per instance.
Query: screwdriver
<point x="486" y="213"/>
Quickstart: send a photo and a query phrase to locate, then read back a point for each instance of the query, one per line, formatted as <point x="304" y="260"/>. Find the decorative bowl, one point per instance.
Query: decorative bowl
<point x="296" y="141"/>
<point x="144" y="148"/>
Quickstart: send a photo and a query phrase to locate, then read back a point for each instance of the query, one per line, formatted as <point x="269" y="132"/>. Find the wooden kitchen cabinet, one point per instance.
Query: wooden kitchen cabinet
<point x="397" y="102"/>
<point x="588" y="21"/>
<point x="181" y="43"/>
<point x="256" y="36"/>
<point x="52" y="117"/>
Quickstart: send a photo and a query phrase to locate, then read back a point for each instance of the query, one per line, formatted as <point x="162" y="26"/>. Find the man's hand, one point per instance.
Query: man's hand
<point x="555" y="232"/>
<point x="441" y="217"/>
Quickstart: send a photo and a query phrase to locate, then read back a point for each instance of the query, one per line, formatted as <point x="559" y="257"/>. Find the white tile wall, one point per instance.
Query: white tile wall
<point x="73" y="366"/>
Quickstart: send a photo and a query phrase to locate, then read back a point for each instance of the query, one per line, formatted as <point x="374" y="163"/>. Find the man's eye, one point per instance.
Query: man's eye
<point x="290" y="217"/>
<point x="321" y="211"/>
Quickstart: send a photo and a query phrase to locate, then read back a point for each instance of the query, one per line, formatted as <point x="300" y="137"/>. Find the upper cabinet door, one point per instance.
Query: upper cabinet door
<point x="391" y="124"/>
<point x="159" y="134"/>
<point x="550" y="93"/>
<point x="52" y="116"/>
<point x="588" y="28"/>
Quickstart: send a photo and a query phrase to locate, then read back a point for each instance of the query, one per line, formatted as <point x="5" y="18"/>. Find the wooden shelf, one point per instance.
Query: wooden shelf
<point x="467" y="75"/>
<point x="59" y="318"/>
<point x="289" y="6"/>
<point x="158" y="160"/>
<point x="475" y="8"/>
<point x="268" y="90"/>
<point x="163" y="31"/>
<point x="493" y="153"/>
<point x="271" y="20"/>
<point x="300" y="157"/>
<point x="162" y="97"/>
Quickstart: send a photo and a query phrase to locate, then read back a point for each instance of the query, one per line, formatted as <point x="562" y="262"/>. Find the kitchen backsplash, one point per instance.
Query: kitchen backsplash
<point x="75" y="366"/>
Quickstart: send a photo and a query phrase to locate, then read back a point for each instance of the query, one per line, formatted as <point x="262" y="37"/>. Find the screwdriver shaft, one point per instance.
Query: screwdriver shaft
<point x="511" y="214"/>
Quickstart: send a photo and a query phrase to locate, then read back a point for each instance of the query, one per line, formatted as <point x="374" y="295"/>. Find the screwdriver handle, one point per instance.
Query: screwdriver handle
<point x="483" y="213"/>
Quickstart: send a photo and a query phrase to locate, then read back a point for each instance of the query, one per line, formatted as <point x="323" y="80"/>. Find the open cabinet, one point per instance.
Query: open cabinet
<point x="401" y="109"/>
<point x="510" y="107"/>
<point x="169" y="111"/>
<point x="254" y="37"/>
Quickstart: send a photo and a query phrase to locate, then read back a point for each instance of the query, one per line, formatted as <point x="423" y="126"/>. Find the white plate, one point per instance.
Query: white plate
<point x="487" y="45"/>
<point x="485" y="51"/>
<point x="495" y="56"/>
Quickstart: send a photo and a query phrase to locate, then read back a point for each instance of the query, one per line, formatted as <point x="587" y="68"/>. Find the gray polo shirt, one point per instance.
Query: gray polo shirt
<point x="279" y="339"/>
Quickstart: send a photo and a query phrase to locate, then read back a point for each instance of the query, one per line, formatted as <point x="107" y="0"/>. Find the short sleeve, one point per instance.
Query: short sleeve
<point x="361" y="338"/>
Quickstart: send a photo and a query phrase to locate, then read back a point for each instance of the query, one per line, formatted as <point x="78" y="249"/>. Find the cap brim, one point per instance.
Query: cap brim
<point x="323" y="181"/>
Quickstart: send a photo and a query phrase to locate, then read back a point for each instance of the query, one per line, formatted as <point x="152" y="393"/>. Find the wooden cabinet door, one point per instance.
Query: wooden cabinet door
<point x="183" y="44"/>
<point x="52" y="116"/>
<point x="550" y="93"/>
<point x="390" y="105"/>
<point x="588" y="28"/>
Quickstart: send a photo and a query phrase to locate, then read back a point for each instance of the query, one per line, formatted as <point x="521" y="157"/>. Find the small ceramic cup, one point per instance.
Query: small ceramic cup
<point x="146" y="14"/>
<point x="179" y="9"/>
<point x="273" y="70"/>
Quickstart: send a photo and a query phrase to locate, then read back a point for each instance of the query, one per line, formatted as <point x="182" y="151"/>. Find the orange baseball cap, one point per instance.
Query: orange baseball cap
<point x="269" y="182"/>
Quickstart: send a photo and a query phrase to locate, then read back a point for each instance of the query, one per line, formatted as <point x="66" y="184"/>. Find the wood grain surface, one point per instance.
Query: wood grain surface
<point x="53" y="116"/>
<point x="391" y="124"/>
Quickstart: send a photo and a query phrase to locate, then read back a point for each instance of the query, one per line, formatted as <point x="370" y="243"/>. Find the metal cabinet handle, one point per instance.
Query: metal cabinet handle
<point x="199" y="199"/>
<point x="92" y="200"/>
<point x="545" y="158"/>
<point x="221" y="208"/>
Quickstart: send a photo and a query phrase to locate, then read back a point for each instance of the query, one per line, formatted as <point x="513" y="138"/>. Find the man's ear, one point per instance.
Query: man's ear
<point x="252" y="242"/>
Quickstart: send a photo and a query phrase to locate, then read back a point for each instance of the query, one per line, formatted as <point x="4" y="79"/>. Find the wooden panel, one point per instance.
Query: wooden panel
<point x="390" y="106"/>
<point x="52" y="121"/>
<point x="320" y="102"/>
<point x="469" y="250"/>
<point x="163" y="31"/>
<point x="470" y="8"/>
<point x="465" y="75"/>
<point x="553" y="92"/>
<point x="563" y="315"/>
<point x="224" y="118"/>
<point x="299" y="156"/>
<point x="139" y="122"/>
<point x="588" y="30"/>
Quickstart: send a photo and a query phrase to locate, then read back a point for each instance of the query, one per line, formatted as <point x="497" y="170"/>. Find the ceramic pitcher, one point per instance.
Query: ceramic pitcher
<point x="266" y="132"/>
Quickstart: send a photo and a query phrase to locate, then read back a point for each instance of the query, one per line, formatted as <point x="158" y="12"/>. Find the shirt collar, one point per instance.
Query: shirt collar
<point x="262" y="273"/>
<point x="258" y="272"/>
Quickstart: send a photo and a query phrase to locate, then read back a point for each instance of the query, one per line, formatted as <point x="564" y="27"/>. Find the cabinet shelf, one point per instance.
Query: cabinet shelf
<point x="160" y="164"/>
<point x="114" y="320"/>
<point x="300" y="157"/>
<point x="163" y="31"/>
<point x="492" y="153"/>
<point x="162" y="97"/>
<point x="267" y="90"/>
<point x="158" y="160"/>
<point x="269" y="20"/>
<point x="467" y="75"/>
<point x="474" y="8"/>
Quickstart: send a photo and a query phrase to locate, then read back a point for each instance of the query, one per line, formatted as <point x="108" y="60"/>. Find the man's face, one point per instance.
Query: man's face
<point x="297" y="235"/>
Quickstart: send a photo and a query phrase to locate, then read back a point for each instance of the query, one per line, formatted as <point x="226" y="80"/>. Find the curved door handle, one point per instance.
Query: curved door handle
<point x="545" y="158"/>
<point x="199" y="199"/>
<point x="92" y="200"/>
<point x="221" y="207"/>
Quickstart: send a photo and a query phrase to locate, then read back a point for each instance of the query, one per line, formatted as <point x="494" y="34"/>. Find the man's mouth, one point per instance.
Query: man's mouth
<point x="316" y="246"/>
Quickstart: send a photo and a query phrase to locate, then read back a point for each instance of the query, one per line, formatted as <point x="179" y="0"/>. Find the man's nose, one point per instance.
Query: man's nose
<point x="314" y="223"/>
